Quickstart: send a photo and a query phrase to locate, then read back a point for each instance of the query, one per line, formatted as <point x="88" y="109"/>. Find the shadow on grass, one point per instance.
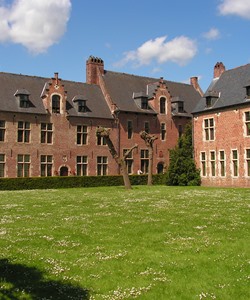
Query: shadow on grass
<point x="21" y="282"/>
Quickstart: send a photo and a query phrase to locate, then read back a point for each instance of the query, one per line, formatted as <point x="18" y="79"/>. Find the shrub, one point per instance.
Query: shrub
<point x="182" y="170"/>
<point x="72" y="182"/>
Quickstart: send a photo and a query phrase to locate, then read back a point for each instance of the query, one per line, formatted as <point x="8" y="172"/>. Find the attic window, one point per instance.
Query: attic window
<point x="180" y="107"/>
<point x="23" y="96"/>
<point x="211" y="98"/>
<point x="209" y="101"/>
<point x="144" y="103"/>
<point x="81" y="103"/>
<point x="141" y="99"/>
<point x="248" y="91"/>
<point x="82" y="107"/>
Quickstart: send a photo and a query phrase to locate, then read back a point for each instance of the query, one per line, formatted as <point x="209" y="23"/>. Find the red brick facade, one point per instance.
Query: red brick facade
<point x="51" y="138"/>
<point x="222" y="130"/>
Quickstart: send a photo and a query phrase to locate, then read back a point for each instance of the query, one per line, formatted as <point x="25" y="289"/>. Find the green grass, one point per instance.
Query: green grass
<point x="108" y="243"/>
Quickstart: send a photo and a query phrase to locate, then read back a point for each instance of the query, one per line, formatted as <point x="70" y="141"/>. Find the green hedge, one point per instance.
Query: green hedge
<point x="72" y="182"/>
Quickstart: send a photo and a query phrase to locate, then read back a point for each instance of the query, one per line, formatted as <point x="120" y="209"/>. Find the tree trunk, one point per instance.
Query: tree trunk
<point x="103" y="132"/>
<point x="149" y="141"/>
<point x="150" y="165"/>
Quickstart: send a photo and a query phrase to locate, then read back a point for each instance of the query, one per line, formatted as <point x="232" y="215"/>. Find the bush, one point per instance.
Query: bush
<point x="182" y="170"/>
<point x="72" y="182"/>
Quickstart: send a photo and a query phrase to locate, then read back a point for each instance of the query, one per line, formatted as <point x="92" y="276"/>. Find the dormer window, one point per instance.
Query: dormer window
<point x="82" y="107"/>
<point x="177" y="105"/>
<point x="211" y="98"/>
<point x="81" y="103"/>
<point x="248" y="91"/>
<point x="208" y="101"/>
<point x="180" y="107"/>
<point x="144" y="103"/>
<point x="23" y="96"/>
<point x="141" y="99"/>
<point x="56" y="99"/>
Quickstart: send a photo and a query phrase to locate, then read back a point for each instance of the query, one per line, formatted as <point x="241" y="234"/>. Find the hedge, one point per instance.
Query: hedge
<point x="30" y="183"/>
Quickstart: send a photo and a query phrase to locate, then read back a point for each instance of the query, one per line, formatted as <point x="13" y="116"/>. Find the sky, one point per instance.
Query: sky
<point x="171" y="39"/>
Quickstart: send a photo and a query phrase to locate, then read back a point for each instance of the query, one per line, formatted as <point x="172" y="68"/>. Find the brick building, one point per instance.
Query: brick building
<point x="221" y="124"/>
<point x="48" y="125"/>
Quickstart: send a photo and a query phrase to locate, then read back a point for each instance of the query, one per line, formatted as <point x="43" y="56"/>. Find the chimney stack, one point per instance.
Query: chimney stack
<point x="194" y="82"/>
<point x="94" y="65"/>
<point x="219" y="68"/>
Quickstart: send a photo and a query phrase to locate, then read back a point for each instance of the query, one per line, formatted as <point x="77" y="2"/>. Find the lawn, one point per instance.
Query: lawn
<point x="109" y="243"/>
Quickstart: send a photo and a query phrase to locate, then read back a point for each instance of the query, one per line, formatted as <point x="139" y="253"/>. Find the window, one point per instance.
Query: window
<point x="46" y="133"/>
<point x="82" y="107"/>
<point x="203" y="164"/>
<point x="2" y="131"/>
<point x="102" y="165"/>
<point x="82" y="135"/>
<point x="130" y="129"/>
<point x="209" y="129"/>
<point x="222" y="163"/>
<point x="129" y="161"/>
<point x="24" y="101"/>
<point x="144" y="160"/>
<point x="247" y="122"/>
<point x="248" y="161"/>
<point x="162" y="105"/>
<point x="23" y="132"/>
<point x="2" y="165"/>
<point x="163" y="131"/>
<point x="212" y="163"/>
<point x="46" y="165"/>
<point x="180" y="107"/>
<point x="101" y="140"/>
<point x="248" y="91"/>
<point x="56" y="104"/>
<point x="144" y="103"/>
<point x="146" y="127"/>
<point x="81" y="165"/>
<point x="235" y="162"/>
<point x="23" y="165"/>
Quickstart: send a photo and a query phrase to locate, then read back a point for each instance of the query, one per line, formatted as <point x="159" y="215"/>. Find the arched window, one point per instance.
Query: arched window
<point x="162" y="105"/>
<point x="56" y="104"/>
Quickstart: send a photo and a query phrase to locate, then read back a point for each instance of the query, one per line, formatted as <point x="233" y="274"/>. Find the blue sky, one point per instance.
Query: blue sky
<point x="171" y="39"/>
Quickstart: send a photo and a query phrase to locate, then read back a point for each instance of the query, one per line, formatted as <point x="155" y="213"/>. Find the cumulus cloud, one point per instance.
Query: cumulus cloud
<point x="212" y="34"/>
<point x="179" y="50"/>
<point x="240" y="8"/>
<point x="36" y="24"/>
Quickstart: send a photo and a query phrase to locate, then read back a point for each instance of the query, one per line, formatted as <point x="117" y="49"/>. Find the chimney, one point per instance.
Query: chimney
<point x="94" y="67"/>
<point x="195" y="84"/>
<point x="219" y="68"/>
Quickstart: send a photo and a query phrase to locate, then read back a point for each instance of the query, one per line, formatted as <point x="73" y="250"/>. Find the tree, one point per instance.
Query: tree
<point x="149" y="141"/>
<point x="121" y="161"/>
<point x="182" y="169"/>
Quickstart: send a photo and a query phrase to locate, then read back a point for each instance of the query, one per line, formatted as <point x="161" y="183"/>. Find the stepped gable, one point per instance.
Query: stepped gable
<point x="12" y="84"/>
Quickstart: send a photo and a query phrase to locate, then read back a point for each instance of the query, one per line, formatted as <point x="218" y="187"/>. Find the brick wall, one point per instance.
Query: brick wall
<point x="229" y="135"/>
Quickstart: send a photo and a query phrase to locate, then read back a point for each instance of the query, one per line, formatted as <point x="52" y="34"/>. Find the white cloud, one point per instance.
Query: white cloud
<point x="235" y="7"/>
<point x="212" y="34"/>
<point x="180" y="50"/>
<point x="35" y="24"/>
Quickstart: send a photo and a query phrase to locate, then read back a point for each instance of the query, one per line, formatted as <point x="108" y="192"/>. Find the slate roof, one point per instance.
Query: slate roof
<point x="230" y="87"/>
<point x="35" y="86"/>
<point x="122" y="87"/>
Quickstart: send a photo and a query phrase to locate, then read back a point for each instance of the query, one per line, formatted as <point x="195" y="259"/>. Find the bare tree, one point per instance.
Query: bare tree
<point x="149" y="141"/>
<point x="121" y="161"/>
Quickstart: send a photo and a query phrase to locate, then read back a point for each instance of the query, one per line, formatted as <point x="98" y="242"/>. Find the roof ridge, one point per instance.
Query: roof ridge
<point x="155" y="79"/>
